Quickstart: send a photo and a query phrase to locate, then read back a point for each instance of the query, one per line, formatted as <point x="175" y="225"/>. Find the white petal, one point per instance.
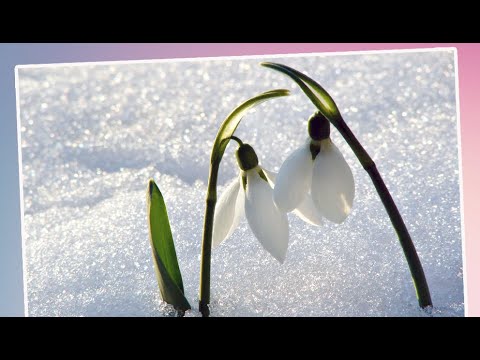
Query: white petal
<point x="228" y="212"/>
<point x="239" y="209"/>
<point x="293" y="179"/>
<point x="268" y="223"/>
<point x="306" y="210"/>
<point x="333" y="188"/>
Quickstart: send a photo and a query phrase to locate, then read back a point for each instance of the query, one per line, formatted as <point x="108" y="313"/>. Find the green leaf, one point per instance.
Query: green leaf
<point x="317" y="94"/>
<point x="163" y="250"/>
<point x="230" y="124"/>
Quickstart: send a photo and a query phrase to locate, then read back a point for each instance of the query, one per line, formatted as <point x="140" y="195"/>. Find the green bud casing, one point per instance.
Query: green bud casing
<point x="246" y="157"/>
<point x="318" y="126"/>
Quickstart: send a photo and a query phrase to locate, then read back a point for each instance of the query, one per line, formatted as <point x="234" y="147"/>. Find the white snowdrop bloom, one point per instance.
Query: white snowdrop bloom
<point x="317" y="170"/>
<point x="251" y="195"/>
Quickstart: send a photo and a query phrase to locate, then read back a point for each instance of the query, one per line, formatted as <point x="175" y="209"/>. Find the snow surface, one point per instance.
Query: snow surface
<point x="93" y="135"/>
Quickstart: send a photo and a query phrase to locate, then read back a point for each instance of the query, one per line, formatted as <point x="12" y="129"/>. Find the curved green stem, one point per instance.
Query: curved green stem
<point x="414" y="264"/>
<point x="224" y="135"/>
<point x="324" y="102"/>
<point x="239" y="142"/>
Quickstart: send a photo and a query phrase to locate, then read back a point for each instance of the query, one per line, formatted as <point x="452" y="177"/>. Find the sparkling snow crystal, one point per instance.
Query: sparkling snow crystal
<point x="92" y="136"/>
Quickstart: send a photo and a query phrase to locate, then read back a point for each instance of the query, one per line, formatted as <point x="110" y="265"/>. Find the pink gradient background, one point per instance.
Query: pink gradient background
<point x="469" y="87"/>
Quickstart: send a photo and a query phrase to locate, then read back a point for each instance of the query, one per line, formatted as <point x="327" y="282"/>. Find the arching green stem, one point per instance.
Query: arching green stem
<point x="325" y="104"/>
<point x="224" y="135"/>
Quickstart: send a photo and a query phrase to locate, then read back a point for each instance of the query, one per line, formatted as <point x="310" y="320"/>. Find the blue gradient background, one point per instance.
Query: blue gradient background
<point x="11" y="276"/>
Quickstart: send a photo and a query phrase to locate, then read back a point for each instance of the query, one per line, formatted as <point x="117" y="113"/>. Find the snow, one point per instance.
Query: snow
<point x="92" y="135"/>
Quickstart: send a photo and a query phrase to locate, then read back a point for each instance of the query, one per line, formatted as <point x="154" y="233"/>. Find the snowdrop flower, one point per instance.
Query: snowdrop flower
<point x="319" y="170"/>
<point x="251" y="195"/>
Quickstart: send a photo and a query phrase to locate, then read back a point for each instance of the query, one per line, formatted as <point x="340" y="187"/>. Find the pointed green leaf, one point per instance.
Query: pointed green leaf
<point x="163" y="250"/>
<point x="317" y="94"/>
<point x="230" y="124"/>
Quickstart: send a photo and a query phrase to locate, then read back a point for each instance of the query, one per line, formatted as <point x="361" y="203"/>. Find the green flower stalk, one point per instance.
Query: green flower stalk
<point x="222" y="139"/>
<point x="329" y="110"/>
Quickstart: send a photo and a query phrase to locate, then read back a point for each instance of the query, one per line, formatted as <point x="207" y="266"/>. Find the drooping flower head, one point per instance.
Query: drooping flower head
<point x="316" y="169"/>
<point x="251" y="194"/>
